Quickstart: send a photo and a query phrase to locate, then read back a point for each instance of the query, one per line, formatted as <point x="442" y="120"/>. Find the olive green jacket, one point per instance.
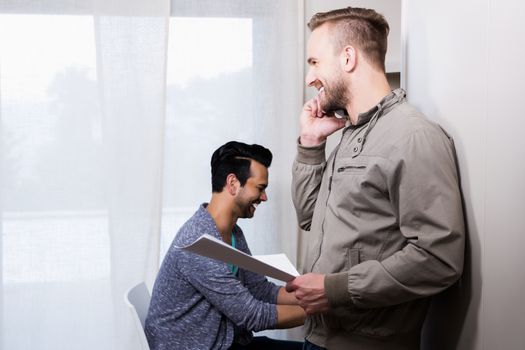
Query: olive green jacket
<point x="386" y="222"/>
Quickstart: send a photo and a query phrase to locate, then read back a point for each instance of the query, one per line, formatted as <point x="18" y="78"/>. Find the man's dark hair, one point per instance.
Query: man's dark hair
<point x="364" y="28"/>
<point x="235" y="158"/>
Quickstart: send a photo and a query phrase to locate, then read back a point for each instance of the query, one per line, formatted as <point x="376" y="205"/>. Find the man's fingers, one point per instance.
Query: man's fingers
<point x="318" y="105"/>
<point x="314" y="308"/>
<point x="313" y="107"/>
<point x="290" y="287"/>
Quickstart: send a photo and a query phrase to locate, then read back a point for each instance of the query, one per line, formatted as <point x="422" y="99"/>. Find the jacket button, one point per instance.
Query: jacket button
<point x="359" y="140"/>
<point x="355" y="149"/>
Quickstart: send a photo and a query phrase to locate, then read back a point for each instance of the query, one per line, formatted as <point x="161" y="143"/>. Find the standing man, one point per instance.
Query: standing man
<point x="384" y="210"/>
<point x="201" y="303"/>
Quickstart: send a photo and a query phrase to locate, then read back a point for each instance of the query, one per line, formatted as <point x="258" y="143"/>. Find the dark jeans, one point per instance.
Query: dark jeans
<point x="309" y="346"/>
<point x="265" y="343"/>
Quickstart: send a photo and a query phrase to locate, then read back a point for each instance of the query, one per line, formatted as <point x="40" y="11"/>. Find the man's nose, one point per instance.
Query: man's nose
<point x="264" y="197"/>
<point x="310" y="78"/>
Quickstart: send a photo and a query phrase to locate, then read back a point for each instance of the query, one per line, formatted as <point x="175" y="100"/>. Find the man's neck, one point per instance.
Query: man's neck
<point x="366" y="92"/>
<point x="222" y="213"/>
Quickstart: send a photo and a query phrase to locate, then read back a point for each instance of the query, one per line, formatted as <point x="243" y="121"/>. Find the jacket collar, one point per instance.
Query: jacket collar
<point x="383" y="107"/>
<point x="370" y="117"/>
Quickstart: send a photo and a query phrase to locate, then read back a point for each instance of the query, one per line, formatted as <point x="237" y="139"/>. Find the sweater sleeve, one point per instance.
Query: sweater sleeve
<point x="225" y="292"/>
<point x="258" y="285"/>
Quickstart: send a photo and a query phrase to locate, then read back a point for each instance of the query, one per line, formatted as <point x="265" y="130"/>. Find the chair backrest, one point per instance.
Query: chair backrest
<point x="138" y="298"/>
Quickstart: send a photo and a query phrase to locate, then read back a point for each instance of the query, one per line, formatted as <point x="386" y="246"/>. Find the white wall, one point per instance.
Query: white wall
<point x="464" y="70"/>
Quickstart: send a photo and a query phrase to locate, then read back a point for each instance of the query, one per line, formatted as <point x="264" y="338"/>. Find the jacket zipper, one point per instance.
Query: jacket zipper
<point x="341" y="169"/>
<point x="327" y="198"/>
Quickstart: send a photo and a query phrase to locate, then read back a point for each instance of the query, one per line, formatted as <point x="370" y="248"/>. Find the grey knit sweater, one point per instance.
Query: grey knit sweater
<point x="197" y="303"/>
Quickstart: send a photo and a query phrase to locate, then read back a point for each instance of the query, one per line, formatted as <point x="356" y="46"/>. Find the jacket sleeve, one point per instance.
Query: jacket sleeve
<point x="307" y="173"/>
<point x="423" y="186"/>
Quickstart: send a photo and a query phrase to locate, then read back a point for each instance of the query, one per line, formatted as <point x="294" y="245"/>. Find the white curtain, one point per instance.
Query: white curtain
<point x="234" y="73"/>
<point x="109" y="113"/>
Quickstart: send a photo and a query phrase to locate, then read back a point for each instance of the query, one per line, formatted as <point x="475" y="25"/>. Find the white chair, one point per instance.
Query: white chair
<point x="138" y="299"/>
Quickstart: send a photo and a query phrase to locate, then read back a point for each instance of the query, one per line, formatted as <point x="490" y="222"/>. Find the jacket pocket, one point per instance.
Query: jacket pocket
<point x="353" y="257"/>
<point x="405" y="318"/>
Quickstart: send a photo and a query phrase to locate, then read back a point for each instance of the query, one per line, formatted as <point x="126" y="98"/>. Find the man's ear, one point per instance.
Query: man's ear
<point x="232" y="184"/>
<point x="348" y="58"/>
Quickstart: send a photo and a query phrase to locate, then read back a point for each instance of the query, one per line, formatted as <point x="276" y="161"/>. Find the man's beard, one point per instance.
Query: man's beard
<point x="335" y="97"/>
<point x="246" y="210"/>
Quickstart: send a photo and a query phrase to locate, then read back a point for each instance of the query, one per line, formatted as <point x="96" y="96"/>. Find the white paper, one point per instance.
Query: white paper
<point x="277" y="266"/>
<point x="279" y="261"/>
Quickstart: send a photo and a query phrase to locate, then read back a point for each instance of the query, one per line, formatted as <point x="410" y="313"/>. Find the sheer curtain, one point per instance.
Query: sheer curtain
<point x="109" y="112"/>
<point x="234" y="73"/>
<point x="82" y="119"/>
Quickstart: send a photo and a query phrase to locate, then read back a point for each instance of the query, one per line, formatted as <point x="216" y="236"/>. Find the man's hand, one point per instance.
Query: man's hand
<point x="316" y="125"/>
<point x="286" y="298"/>
<point x="309" y="290"/>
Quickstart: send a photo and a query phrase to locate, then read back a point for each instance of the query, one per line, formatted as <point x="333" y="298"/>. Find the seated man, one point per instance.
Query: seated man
<point x="201" y="303"/>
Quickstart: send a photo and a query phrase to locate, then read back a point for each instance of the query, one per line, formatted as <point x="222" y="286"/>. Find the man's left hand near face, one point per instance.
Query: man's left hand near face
<point x="309" y="290"/>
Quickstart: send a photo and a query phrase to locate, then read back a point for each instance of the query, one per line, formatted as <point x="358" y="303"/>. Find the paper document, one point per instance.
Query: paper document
<point x="277" y="266"/>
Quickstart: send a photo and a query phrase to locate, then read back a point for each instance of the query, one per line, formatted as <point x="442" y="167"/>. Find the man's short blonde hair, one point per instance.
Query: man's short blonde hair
<point x="364" y="28"/>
